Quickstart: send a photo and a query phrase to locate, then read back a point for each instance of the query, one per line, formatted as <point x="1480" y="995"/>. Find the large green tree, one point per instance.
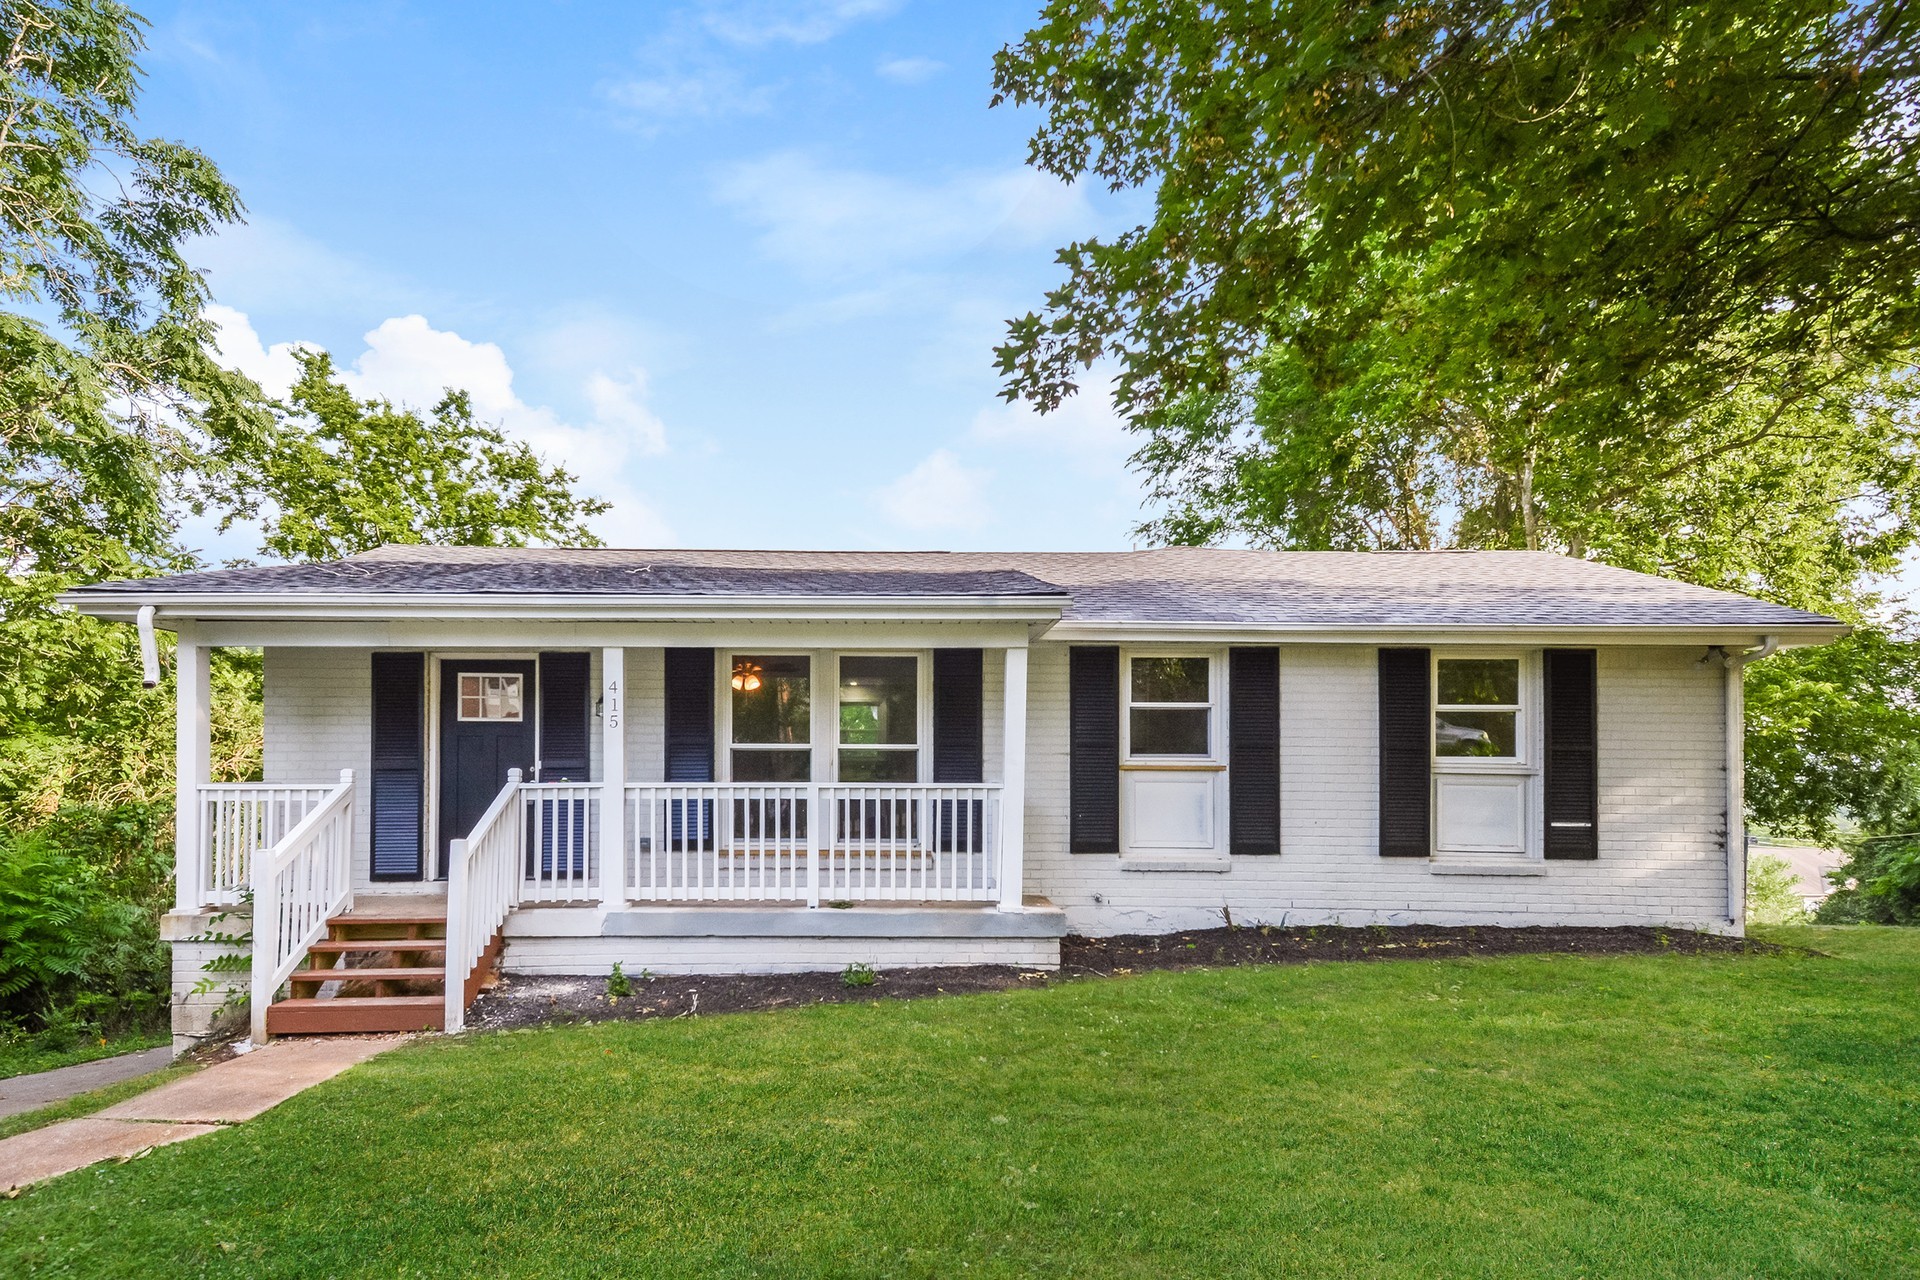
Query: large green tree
<point x="1629" y="281"/>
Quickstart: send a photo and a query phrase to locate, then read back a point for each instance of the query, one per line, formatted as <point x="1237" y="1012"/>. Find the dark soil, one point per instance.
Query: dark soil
<point x="526" y="1002"/>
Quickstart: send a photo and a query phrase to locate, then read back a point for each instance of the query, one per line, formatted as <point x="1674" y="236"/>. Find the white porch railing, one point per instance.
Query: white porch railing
<point x="237" y="821"/>
<point x="483" y="884"/>
<point x="297" y="884"/>
<point x="562" y="862"/>
<point x="812" y="842"/>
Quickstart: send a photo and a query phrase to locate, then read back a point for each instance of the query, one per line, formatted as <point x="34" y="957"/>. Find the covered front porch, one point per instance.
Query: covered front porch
<point x="838" y="822"/>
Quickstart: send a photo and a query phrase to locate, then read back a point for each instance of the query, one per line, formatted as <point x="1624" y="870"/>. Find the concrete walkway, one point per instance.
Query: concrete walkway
<point x="225" y="1093"/>
<point x="44" y="1088"/>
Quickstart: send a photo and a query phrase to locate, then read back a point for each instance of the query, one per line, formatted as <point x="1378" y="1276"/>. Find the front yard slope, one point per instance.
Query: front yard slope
<point x="1673" y="1115"/>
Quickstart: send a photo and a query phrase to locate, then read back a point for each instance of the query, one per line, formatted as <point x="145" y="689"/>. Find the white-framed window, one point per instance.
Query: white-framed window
<point x="486" y="695"/>
<point x="1170" y="707"/>
<point x="1480" y="708"/>
<point x="878" y="720"/>
<point x="770" y="717"/>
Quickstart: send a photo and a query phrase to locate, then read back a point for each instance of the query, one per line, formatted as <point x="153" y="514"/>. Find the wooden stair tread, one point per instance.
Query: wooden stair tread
<point x="358" y="921"/>
<point x="361" y="1002"/>
<point x="431" y="974"/>
<point x="331" y="946"/>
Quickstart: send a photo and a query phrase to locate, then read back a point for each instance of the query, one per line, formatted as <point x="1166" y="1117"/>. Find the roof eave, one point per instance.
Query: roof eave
<point x="572" y="606"/>
<point x="1788" y="635"/>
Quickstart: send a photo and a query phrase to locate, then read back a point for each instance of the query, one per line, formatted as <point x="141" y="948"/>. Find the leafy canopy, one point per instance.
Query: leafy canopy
<point x="340" y="475"/>
<point x="1626" y="281"/>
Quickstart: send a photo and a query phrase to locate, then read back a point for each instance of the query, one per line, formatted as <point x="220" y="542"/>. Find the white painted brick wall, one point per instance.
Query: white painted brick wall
<point x="1662" y="815"/>
<point x="1662" y="783"/>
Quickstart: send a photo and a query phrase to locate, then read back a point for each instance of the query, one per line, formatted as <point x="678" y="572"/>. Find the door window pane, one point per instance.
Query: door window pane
<point x="1170" y="680"/>
<point x="1475" y="733"/>
<point x="772" y="766"/>
<point x="879" y="700"/>
<point x="1160" y="732"/>
<point x="1479" y="682"/>
<point x="772" y="699"/>
<point x="490" y="697"/>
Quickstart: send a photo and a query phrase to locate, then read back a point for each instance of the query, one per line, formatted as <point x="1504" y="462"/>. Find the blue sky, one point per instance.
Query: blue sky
<point x="740" y="265"/>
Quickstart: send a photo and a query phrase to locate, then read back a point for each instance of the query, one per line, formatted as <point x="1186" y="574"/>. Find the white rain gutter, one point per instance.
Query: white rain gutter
<point x="149" y="647"/>
<point x="1736" y="662"/>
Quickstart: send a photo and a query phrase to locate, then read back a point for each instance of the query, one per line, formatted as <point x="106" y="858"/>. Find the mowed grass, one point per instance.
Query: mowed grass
<point x="1656" y="1116"/>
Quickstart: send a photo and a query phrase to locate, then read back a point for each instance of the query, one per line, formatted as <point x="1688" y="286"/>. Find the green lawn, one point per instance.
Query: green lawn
<point x="1660" y="1116"/>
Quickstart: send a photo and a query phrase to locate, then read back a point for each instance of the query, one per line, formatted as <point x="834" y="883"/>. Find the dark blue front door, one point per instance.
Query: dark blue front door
<point x="486" y="728"/>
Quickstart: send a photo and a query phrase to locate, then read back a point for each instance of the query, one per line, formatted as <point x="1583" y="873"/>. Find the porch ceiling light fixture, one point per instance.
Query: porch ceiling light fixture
<point x="746" y="676"/>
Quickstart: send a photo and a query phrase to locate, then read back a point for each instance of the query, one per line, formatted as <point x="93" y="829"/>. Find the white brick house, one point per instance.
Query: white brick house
<point x="551" y="761"/>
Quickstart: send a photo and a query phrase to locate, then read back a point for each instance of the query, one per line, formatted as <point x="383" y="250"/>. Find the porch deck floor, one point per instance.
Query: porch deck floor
<point x="381" y="906"/>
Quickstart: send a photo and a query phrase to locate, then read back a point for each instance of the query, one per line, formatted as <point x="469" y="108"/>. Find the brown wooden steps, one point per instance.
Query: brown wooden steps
<point x="394" y="966"/>
<point x="346" y="1015"/>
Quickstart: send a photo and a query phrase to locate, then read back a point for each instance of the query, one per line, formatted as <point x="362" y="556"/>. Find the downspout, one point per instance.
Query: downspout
<point x="1736" y="663"/>
<point x="149" y="648"/>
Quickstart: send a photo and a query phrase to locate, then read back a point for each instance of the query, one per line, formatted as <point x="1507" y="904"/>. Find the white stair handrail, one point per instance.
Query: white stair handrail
<point x="298" y="885"/>
<point x="483" y="886"/>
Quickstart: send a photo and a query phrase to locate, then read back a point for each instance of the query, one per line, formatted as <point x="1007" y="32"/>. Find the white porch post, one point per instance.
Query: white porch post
<point x="1013" y="787"/>
<point x="613" y="778"/>
<point x="193" y="762"/>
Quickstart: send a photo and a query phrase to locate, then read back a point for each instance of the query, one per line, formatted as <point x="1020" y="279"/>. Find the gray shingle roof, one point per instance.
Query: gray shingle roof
<point x="1330" y="589"/>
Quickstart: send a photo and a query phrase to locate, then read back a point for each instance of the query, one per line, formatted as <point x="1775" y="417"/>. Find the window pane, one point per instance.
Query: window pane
<point x="772" y="699"/>
<point x="772" y="766"/>
<point x="879" y="766"/>
<point x="1170" y="680"/>
<point x="1480" y="681"/>
<point x="1169" y="733"/>
<point x="1474" y="733"/>
<point x="877" y="700"/>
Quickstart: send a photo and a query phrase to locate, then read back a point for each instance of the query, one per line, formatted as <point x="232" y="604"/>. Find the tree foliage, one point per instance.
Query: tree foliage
<point x="1630" y="282"/>
<point x="340" y="475"/>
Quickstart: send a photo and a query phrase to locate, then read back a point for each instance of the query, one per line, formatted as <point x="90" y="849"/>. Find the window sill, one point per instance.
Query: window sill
<point x="1150" y="862"/>
<point x="1531" y="867"/>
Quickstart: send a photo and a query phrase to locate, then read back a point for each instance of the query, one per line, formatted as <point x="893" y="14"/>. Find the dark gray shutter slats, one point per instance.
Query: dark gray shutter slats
<point x="1406" y="753"/>
<point x="689" y="715"/>
<point x="958" y="751"/>
<point x="1094" y="752"/>
<point x="1253" y="750"/>
<point x="399" y="765"/>
<point x="1571" y="715"/>
<point x="564" y="717"/>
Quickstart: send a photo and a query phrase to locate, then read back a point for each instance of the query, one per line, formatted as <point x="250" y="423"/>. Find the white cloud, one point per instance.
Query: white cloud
<point x="702" y="93"/>
<point x="940" y="493"/>
<point x="1086" y="429"/>
<point x="828" y="221"/>
<point x="789" y="21"/>
<point x="909" y="70"/>
<point x="690" y="71"/>
<point x="410" y="362"/>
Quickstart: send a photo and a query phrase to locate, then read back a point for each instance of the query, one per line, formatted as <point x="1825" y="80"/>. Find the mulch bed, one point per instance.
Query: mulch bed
<point x="535" y="1001"/>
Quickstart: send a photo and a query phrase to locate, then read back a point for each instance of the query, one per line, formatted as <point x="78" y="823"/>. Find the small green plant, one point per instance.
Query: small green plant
<point x="1773" y="892"/>
<point x="619" y="985"/>
<point x="859" y="975"/>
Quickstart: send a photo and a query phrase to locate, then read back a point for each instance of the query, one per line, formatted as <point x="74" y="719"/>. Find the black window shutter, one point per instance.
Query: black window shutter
<point x="1572" y="766"/>
<point x="564" y="718"/>
<point x="1253" y="750"/>
<point x="958" y="753"/>
<point x="1093" y="678"/>
<point x="1406" y="753"/>
<point x="689" y="715"/>
<point x="399" y="771"/>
